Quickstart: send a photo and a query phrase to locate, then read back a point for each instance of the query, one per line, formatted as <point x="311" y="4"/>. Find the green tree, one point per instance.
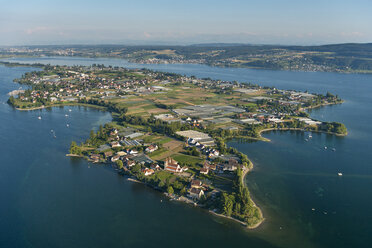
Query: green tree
<point x="183" y="191"/>
<point x="11" y="101"/>
<point x="170" y="190"/>
<point x="227" y="204"/>
<point x="75" y="149"/>
<point x="101" y="131"/>
<point x="92" y="135"/>
<point x="119" y="163"/>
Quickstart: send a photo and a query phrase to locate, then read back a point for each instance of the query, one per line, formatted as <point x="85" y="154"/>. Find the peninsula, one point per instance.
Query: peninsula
<point x="169" y="131"/>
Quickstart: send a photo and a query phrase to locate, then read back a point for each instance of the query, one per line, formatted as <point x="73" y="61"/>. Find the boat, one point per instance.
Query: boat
<point x="334" y="149"/>
<point x="325" y="148"/>
<point x="310" y="136"/>
<point x="70" y="110"/>
<point x="339" y="174"/>
<point x="306" y="140"/>
<point x="66" y="115"/>
<point x="67" y="125"/>
<point x="39" y="117"/>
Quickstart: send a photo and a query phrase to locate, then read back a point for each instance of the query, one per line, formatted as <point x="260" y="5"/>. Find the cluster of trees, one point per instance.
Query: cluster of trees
<point x="99" y="138"/>
<point x="155" y="125"/>
<point x="162" y="180"/>
<point x="238" y="204"/>
<point x="164" y="106"/>
<point x="112" y="107"/>
<point x="249" y="131"/>
<point x="320" y="99"/>
<point x="192" y="151"/>
<point x="335" y="127"/>
<point x="294" y="124"/>
<point x="16" y="103"/>
<point x="75" y="149"/>
<point x="12" y="101"/>
<point x="222" y="147"/>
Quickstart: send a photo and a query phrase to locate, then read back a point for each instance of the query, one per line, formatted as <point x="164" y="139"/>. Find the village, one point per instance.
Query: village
<point x="170" y="97"/>
<point x="126" y="149"/>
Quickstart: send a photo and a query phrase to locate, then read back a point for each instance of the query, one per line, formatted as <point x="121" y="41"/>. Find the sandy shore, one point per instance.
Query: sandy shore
<point x="74" y="155"/>
<point x="245" y="172"/>
<point x="27" y="109"/>
<point x="228" y="217"/>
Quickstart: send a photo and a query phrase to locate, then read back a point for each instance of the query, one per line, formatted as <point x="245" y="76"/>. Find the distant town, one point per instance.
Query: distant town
<point x="345" y="58"/>
<point x="170" y="131"/>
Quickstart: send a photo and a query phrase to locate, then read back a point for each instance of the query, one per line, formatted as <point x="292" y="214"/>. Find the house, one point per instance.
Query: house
<point x="152" y="148"/>
<point x="95" y="158"/>
<point x="132" y="152"/>
<point x="115" y="158"/>
<point x="115" y="144"/>
<point x="195" y="193"/>
<point x="121" y="153"/>
<point x="155" y="167"/>
<point x="172" y="165"/>
<point x="213" y="152"/>
<point x="204" y="171"/>
<point x="196" y="183"/>
<point x="130" y="163"/>
<point x="209" y="166"/>
<point x="108" y="154"/>
<point x="231" y="166"/>
<point x="148" y="171"/>
<point x="113" y="132"/>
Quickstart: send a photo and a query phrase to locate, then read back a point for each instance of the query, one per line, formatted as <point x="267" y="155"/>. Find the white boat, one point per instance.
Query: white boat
<point x="67" y="125"/>
<point x="340" y="174"/>
<point x="334" y="149"/>
<point x="70" y="110"/>
<point x="310" y="136"/>
<point x="66" y="115"/>
<point x="325" y="148"/>
<point x="39" y="117"/>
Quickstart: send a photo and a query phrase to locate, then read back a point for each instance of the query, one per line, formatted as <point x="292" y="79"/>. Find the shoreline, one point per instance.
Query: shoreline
<point x="62" y="105"/>
<point x="262" y="219"/>
<point x="322" y="105"/>
<point x="296" y="129"/>
<point x="134" y="61"/>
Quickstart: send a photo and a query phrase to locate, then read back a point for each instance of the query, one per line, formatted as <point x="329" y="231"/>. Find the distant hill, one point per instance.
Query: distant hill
<point x="348" y="57"/>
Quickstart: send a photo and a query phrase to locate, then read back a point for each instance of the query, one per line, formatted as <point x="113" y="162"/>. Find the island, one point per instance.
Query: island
<point x="169" y="131"/>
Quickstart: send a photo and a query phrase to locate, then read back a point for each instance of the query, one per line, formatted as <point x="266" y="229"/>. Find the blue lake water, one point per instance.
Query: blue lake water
<point x="49" y="200"/>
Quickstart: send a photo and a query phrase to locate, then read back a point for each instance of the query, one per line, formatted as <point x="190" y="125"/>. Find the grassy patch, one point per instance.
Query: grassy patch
<point x="187" y="159"/>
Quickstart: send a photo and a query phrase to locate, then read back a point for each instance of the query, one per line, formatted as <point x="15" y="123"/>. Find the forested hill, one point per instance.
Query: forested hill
<point x="350" y="57"/>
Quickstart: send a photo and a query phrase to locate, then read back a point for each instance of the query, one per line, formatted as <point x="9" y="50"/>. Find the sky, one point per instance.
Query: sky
<point x="41" y="22"/>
